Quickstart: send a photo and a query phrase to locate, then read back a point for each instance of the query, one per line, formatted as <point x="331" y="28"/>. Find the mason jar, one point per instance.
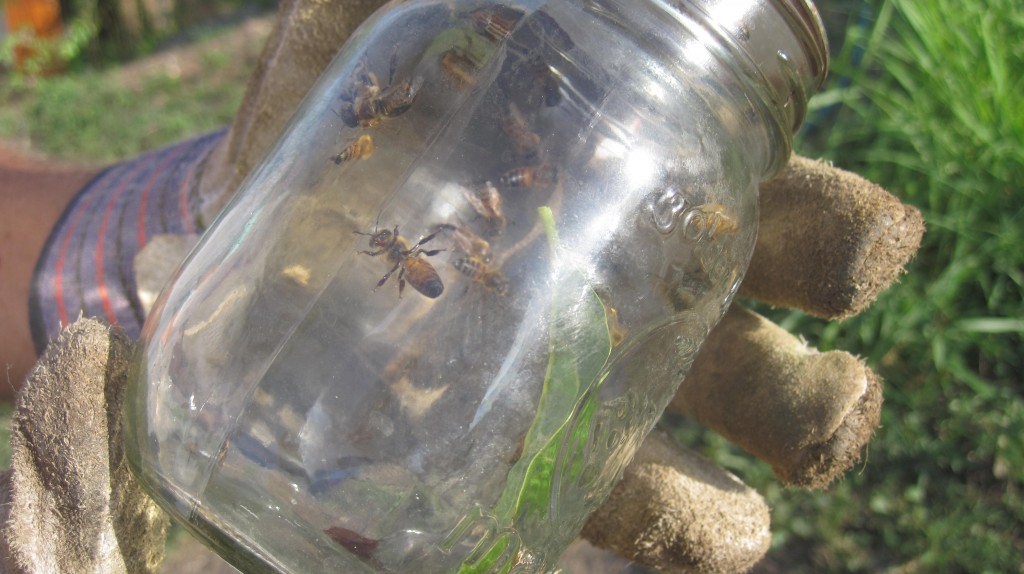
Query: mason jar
<point x="433" y="326"/>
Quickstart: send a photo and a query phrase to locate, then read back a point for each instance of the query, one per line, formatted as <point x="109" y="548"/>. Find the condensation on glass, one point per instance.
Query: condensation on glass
<point x="434" y="325"/>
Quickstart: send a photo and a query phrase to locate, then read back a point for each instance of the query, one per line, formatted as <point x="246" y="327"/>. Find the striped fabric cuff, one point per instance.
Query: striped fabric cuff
<point x="87" y="264"/>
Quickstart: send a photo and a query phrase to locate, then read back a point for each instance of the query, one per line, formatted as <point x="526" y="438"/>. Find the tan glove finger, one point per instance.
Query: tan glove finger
<point x="806" y="413"/>
<point x="71" y="504"/>
<point x="156" y="262"/>
<point x="675" y="511"/>
<point x="829" y="241"/>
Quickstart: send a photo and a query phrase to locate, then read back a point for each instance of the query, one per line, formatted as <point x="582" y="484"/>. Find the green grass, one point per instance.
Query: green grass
<point x="101" y="116"/>
<point x="94" y="119"/>
<point x="933" y="112"/>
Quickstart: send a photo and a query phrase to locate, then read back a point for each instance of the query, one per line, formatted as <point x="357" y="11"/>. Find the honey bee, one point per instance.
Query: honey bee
<point x="459" y="68"/>
<point x="467" y="242"/>
<point x="529" y="176"/>
<point x="486" y="202"/>
<point x="525" y="141"/>
<point x="395" y="100"/>
<point x="482" y="273"/>
<point x="407" y="261"/>
<point x="362" y="148"/>
<point x="358" y="111"/>
<point x="369" y="103"/>
<point x="495" y="22"/>
<point x="719" y="219"/>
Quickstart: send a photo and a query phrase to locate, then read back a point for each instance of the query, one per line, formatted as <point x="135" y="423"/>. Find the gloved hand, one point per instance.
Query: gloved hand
<point x="829" y="243"/>
<point x="68" y="503"/>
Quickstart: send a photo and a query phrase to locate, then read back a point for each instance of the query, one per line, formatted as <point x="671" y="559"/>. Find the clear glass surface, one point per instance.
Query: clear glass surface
<point x="432" y="328"/>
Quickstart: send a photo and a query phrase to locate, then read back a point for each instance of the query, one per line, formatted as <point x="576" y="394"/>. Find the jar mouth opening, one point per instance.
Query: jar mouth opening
<point x="783" y="42"/>
<point x="780" y="46"/>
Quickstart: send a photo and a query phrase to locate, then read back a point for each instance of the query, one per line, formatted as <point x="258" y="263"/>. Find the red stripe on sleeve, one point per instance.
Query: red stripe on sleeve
<point x="58" y="280"/>
<point x="101" y="283"/>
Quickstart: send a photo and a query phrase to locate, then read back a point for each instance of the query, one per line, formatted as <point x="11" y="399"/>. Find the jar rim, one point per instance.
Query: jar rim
<point x="806" y="20"/>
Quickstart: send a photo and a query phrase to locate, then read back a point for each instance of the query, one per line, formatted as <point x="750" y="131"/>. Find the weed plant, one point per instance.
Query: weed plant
<point x="927" y="101"/>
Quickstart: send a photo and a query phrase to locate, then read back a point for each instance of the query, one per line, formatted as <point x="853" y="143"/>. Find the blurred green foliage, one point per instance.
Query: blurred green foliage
<point x="925" y="99"/>
<point x="81" y="30"/>
<point x="99" y="33"/>
<point x="86" y="116"/>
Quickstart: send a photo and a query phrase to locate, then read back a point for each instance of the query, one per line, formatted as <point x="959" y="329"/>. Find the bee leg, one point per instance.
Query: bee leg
<point x="401" y="282"/>
<point x="432" y="252"/>
<point x="422" y="240"/>
<point x="387" y="276"/>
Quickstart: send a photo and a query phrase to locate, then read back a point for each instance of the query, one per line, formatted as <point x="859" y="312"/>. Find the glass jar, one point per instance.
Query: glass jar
<point x="432" y="328"/>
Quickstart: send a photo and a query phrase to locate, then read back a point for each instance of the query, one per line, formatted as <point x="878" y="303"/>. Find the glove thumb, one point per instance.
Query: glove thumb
<point x="69" y="503"/>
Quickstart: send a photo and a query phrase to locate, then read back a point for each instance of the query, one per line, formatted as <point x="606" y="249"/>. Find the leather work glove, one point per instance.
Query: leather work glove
<point x="829" y="243"/>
